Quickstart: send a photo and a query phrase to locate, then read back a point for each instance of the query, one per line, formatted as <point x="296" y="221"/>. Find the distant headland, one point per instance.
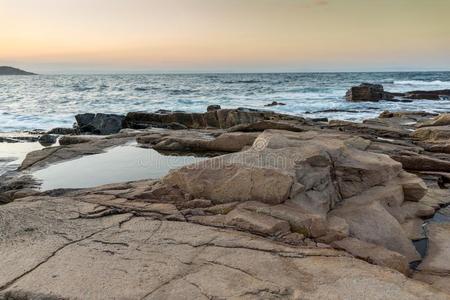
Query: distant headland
<point x="13" y="71"/>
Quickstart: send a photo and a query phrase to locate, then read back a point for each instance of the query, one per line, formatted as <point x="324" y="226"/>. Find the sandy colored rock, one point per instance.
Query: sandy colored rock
<point x="437" y="260"/>
<point x="256" y="223"/>
<point x="414" y="188"/>
<point x="373" y="253"/>
<point x="436" y="197"/>
<point x="441" y="120"/>
<point x="414" y="228"/>
<point x="373" y="224"/>
<point x="309" y="225"/>
<point x="47" y="251"/>
<point x="227" y="142"/>
<point x="432" y="133"/>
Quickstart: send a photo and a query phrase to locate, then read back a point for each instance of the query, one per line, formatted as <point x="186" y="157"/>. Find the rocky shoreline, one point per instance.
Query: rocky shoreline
<point x="285" y="207"/>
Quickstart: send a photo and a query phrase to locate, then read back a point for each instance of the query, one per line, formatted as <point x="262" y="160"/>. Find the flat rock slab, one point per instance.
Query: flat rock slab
<point x="49" y="251"/>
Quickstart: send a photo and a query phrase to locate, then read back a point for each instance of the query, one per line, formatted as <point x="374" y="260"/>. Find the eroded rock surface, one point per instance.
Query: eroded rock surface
<point x="64" y="247"/>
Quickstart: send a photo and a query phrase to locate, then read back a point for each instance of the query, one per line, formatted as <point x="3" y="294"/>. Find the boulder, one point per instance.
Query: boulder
<point x="315" y="170"/>
<point x="367" y="92"/>
<point x="47" y="140"/>
<point x="213" y="107"/>
<point x="102" y="124"/>
<point x="374" y="254"/>
<point x="374" y="224"/>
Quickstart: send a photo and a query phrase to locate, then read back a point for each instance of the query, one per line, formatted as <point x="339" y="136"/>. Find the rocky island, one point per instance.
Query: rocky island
<point x="281" y="207"/>
<point x="4" y="70"/>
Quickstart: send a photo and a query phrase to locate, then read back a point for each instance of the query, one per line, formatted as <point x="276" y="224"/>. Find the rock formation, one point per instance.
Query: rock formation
<point x="285" y="208"/>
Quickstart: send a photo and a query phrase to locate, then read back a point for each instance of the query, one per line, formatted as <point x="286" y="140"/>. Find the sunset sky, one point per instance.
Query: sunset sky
<point x="65" y="36"/>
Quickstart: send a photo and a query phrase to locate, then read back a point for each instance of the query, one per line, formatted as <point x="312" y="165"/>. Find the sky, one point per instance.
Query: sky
<point x="113" y="36"/>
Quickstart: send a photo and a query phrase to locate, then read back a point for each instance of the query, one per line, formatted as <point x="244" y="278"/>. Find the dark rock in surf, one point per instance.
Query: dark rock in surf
<point x="368" y="92"/>
<point x="428" y="95"/>
<point x="275" y="103"/>
<point x="47" y="140"/>
<point x="102" y="124"/>
<point x="222" y="118"/>
<point x="62" y="131"/>
<point x="213" y="107"/>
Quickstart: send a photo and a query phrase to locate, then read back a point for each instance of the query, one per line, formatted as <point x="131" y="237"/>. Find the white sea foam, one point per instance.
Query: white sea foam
<point x="440" y="83"/>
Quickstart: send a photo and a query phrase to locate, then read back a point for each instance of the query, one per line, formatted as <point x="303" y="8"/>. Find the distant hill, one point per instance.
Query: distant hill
<point x="13" y="71"/>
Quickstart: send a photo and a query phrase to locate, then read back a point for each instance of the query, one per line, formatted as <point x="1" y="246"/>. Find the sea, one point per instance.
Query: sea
<point x="48" y="101"/>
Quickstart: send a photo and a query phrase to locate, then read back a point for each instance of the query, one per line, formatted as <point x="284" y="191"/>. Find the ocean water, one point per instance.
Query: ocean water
<point x="47" y="101"/>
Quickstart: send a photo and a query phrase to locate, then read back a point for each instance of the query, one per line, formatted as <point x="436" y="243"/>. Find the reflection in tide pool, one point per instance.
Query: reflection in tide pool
<point x="119" y="164"/>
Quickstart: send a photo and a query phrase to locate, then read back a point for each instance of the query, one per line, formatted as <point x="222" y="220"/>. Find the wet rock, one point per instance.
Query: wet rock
<point x="62" y="131"/>
<point x="222" y="118"/>
<point x="428" y="95"/>
<point x="47" y="140"/>
<point x="374" y="254"/>
<point x="71" y="140"/>
<point x="40" y="158"/>
<point x="275" y="103"/>
<point x="213" y="107"/>
<point x="102" y="124"/>
<point x="367" y="92"/>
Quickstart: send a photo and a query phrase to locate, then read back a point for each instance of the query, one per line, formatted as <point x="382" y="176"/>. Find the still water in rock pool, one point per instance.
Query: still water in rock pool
<point x="119" y="164"/>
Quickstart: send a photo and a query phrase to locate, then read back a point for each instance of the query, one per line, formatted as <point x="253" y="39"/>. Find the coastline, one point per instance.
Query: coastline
<point x="315" y="189"/>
